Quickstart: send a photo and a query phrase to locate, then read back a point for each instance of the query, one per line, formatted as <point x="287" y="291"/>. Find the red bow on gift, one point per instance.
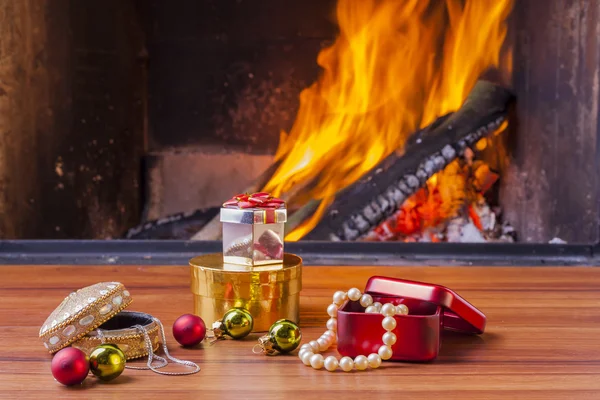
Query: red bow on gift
<point x="255" y="200"/>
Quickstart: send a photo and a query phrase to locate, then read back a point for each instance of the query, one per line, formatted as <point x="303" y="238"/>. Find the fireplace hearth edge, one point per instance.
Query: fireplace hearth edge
<point x="151" y="252"/>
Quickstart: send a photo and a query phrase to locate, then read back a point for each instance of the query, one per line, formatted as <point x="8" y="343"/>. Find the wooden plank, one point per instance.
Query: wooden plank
<point x="540" y="340"/>
<point x="550" y="188"/>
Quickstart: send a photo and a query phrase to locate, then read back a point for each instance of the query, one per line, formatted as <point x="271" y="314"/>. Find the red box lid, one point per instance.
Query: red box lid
<point x="459" y="314"/>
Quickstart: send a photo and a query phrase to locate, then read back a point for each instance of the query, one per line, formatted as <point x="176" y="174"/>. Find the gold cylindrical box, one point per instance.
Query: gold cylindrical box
<point x="269" y="292"/>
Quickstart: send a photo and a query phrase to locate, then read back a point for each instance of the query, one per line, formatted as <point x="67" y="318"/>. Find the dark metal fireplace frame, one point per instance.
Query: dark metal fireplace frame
<point x="150" y="252"/>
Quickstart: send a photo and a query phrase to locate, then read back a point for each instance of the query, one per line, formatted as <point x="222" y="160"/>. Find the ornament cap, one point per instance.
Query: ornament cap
<point x="265" y="346"/>
<point x="218" y="330"/>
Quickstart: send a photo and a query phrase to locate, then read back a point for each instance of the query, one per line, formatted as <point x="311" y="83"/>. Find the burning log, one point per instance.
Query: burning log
<point x="377" y="195"/>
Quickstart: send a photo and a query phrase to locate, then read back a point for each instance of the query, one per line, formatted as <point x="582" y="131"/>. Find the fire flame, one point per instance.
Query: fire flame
<point x="395" y="67"/>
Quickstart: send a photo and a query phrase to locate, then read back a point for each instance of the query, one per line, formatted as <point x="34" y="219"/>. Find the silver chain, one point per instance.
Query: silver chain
<point x="162" y="362"/>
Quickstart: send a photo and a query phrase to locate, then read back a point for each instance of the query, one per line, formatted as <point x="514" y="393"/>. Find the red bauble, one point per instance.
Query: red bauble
<point x="189" y="330"/>
<point x="70" y="366"/>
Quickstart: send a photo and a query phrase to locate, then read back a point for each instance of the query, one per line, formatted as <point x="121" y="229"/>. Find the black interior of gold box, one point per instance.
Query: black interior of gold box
<point x="127" y="319"/>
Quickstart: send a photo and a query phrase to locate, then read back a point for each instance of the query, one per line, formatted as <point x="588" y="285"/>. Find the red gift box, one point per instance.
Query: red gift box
<point x="432" y="308"/>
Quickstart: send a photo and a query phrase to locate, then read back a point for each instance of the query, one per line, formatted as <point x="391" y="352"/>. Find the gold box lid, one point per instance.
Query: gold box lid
<point x="212" y="277"/>
<point x="82" y="312"/>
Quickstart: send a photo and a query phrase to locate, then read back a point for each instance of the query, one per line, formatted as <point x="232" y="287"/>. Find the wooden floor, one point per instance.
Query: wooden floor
<point x="542" y="338"/>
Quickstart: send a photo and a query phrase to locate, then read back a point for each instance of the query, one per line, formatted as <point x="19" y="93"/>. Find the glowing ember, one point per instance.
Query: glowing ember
<point x="452" y="207"/>
<point x="395" y="67"/>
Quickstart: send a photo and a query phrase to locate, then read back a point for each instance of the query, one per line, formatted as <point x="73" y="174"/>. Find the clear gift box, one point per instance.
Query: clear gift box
<point x="253" y="229"/>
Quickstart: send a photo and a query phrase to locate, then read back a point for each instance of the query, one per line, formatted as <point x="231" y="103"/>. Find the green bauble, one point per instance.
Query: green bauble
<point x="107" y="362"/>
<point x="237" y="323"/>
<point x="285" y="335"/>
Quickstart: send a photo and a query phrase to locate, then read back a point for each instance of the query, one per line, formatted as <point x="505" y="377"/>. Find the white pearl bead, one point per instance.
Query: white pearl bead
<point x="306" y="346"/>
<point x="389" y="338"/>
<point x="323" y="344"/>
<point x="314" y="345"/>
<point x="354" y="294"/>
<point x="339" y="297"/>
<point x="332" y="310"/>
<point x="388" y="309"/>
<point x="374" y="360"/>
<point x="306" y="357"/>
<point x="371" y="310"/>
<point x="366" y="300"/>
<point x="316" y="361"/>
<point x="331" y="363"/>
<point x="346" y="364"/>
<point x="301" y="353"/>
<point x="331" y="324"/>
<point x="388" y="323"/>
<point x="332" y="336"/>
<point x="385" y="352"/>
<point x="377" y="305"/>
<point x="402" y="309"/>
<point x="361" y="363"/>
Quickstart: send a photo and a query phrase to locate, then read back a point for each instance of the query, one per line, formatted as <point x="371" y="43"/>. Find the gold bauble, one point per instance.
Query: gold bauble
<point x="107" y="362"/>
<point x="285" y="336"/>
<point x="237" y="323"/>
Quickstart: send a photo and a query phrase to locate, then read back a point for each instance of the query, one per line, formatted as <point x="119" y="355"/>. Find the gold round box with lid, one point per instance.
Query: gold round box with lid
<point x="96" y="314"/>
<point x="269" y="292"/>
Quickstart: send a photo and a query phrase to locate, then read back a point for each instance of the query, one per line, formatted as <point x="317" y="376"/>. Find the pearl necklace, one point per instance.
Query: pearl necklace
<point x="309" y="352"/>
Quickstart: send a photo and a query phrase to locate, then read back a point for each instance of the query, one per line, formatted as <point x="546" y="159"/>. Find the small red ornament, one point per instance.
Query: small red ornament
<point x="189" y="330"/>
<point x="70" y="366"/>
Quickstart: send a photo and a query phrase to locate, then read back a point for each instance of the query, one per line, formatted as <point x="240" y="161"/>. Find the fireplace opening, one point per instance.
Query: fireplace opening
<point x="379" y="120"/>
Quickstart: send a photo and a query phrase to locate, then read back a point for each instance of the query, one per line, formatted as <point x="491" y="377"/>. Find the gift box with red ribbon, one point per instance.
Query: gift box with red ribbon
<point x="253" y="229"/>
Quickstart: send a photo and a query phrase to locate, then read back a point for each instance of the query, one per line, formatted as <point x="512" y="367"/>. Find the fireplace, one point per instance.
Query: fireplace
<point x="138" y="118"/>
